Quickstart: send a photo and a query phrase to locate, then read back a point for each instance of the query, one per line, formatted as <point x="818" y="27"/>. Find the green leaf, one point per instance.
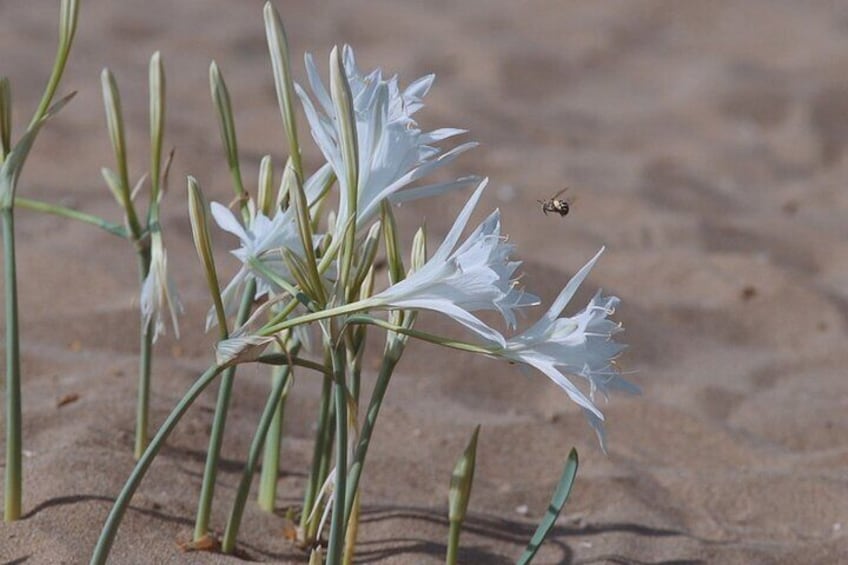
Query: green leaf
<point x="5" y="118"/>
<point x="14" y="163"/>
<point x="226" y="123"/>
<point x="462" y="480"/>
<point x="279" y="50"/>
<point x="563" y="490"/>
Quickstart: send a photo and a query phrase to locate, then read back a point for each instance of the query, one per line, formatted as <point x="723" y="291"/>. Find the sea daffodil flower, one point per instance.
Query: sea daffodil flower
<point x="474" y="276"/>
<point x="393" y="151"/>
<point x="262" y="241"/>
<point x="580" y="345"/>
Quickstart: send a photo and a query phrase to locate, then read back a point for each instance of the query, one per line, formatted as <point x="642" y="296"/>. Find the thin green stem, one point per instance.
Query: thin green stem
<point x="351" y="308"/>
<point x="145" y="363"/>
<point x="317" y="449"/>
<point x="58" y="210"/>
<point x="216" y="436"/>
<point x="432" y="338"/>
<point x="391" y="356"/>
<point x="110" y="528"/>
<point x="13" y="490"/>
<point x="271" y="456"/>
<point x="336" y="540"/>
<point x="453" y="542"/>
<point x="228" y="543"/>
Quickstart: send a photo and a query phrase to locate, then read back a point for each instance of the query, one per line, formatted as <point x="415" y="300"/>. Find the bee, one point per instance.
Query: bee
<point x="554" y="204"/>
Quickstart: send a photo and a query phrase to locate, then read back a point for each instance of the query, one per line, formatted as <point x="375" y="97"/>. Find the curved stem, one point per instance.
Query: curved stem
<point x="110" y="528"/>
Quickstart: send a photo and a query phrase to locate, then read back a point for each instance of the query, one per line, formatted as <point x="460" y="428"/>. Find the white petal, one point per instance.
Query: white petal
<point x="429" y="190"/>
<point x="452" y="237"/>
<point x="567" y="293"/>
<point x="574" y="393"/>
<point x="227" y="221"/>
<point x="462" y="316"/>
<point x="440" y="134"/>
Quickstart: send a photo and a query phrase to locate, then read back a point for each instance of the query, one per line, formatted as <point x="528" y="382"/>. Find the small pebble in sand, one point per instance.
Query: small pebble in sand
<point x="749" y="292"/>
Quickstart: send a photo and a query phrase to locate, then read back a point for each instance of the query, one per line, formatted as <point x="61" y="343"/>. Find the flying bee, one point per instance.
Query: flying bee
<point x="555" y="204"/>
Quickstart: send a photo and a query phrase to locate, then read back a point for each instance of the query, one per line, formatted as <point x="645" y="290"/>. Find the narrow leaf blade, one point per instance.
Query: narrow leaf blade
<point x="563" y="490"/>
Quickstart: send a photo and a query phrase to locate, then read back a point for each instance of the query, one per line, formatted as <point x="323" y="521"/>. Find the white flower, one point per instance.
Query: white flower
<point x="262" y="241"/>
<point x="474" y="276"/>
<point x="393" y="152"/>
<point x="157" y="290"/>
<point x="580" y="345"/>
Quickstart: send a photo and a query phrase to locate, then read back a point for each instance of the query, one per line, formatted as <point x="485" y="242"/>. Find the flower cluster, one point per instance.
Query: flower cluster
<point x="461" y="278"/>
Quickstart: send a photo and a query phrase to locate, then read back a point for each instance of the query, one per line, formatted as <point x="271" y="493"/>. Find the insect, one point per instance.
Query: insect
<point x="554" y="204"/>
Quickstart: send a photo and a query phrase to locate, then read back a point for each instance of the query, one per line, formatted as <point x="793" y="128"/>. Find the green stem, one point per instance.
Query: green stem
<point x="13" y="492"/>
<point x="144" y="364"/>
<point x="143" y="402"/>
<point x="57" y="210"/>
<point x="453" y="542"/>
<point x="394" y="349"/>
<point x="351" y="308"/>
<point x="216" y="436"/>
<point x="337" y="522"/>
<point x="317" y="449"/>
<point x="424" y="336"/>
<point x="228" y="543"/>
<point x="110" y="528"/>
<point x="271" y="456"/>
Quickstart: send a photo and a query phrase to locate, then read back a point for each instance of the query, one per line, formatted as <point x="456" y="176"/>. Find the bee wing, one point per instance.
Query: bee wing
<point x="558" y="193"/>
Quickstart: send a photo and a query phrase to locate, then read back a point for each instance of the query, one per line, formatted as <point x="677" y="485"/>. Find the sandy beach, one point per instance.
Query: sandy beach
<point x="705" y="146"/>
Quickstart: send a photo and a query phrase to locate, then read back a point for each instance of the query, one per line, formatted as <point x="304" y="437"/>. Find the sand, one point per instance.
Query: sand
<point x="705" y="144"/>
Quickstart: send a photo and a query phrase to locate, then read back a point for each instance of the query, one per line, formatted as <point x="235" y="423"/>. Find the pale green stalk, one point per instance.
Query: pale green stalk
<point x="216" y="436"/>
<point x="228" y="543"/>
<point x="315" y="473"/>
<point x="157" y="131"/>
<point x="343" y="103"/>
<point x="115" y="125"/>
<point x="5" y="118"/>
<point x="352" y="532"/>
<point x="269" y="473"/>
<point x="221" y="99"/>
<point x="424" y="336"/>
<point x="395" y="344"/>
<point x="336" y="540"/>
<point x="13" y="492"/>
<point x="14" y="470"/>
<point x="144" y="368"/>
<point x="199" y="214"/>
<point x="226" y="123"/>
<point x="462" y="479"/>
<point x="280" y="63"/>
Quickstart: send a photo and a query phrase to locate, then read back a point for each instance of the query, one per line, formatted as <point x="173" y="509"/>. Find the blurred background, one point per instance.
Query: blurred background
<point x="704" y="146"/>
